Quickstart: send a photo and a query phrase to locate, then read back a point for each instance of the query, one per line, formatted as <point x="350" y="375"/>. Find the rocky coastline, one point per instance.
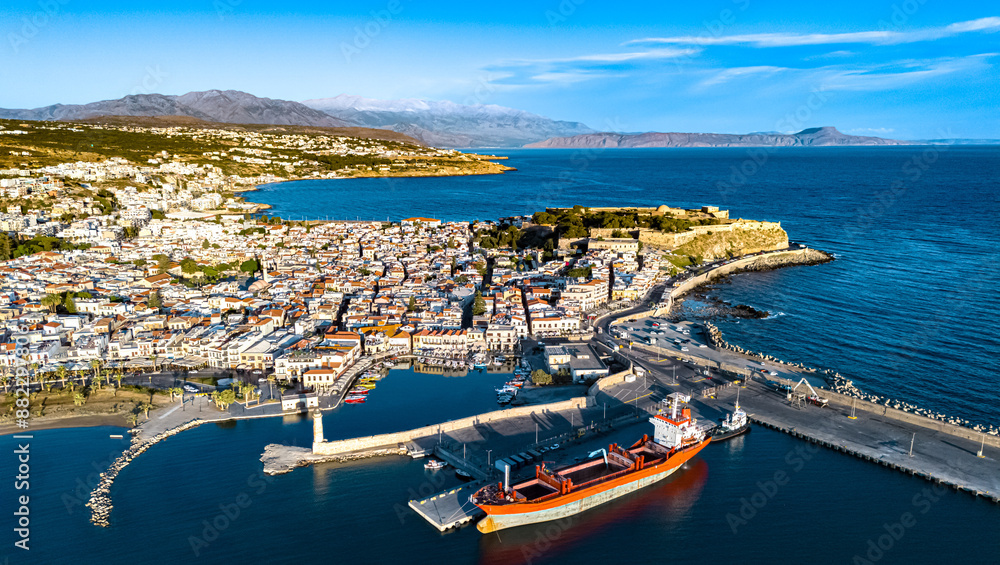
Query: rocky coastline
<point x="842" y="385"/>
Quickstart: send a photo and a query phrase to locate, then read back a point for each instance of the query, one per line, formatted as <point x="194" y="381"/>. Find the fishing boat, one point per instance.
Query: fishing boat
<point x="463" y="475"/>
<point x="355" y="399"/>
<point x="356" y="391"/>
<point x="605" y="475"/>
<point x="434" y="465"/>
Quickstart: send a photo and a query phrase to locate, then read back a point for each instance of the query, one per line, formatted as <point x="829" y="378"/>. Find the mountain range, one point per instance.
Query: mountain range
<point x="812" y="137"/>
<point x="438" y="124"/>
<point x="446" y="124"/>
<point x="229" y="106"/>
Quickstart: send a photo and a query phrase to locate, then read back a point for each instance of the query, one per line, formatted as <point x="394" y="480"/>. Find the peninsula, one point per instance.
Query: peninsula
<point x="812" y="137"/>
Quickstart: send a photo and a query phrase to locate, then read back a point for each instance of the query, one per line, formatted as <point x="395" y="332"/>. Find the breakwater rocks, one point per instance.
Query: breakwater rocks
<point x="100" y="499"/>
<point x="847" y="387"/>
<point x="279" y="459"/>
<point x="840" y="384"/>
<point x="804" y="257"/>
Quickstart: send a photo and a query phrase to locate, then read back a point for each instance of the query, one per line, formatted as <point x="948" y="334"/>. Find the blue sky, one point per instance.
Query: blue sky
<point x="912" y="69"/>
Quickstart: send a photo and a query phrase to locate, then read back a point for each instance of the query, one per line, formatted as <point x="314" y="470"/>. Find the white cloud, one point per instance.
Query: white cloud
<point x="869" y="131"/>
<point x="990" y="24"/>
<point x="652" y="54"/>
<point x="726" y="75"/>
<point x="875" y="79"/>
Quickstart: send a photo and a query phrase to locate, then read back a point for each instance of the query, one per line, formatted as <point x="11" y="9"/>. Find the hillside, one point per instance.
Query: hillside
<point x="812" y="137"/>
<point x="228" y="106"/>
<point x="189" y="122"/>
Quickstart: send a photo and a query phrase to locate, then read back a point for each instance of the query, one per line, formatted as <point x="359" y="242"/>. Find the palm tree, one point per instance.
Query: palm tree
<point x="118" y="379"/>
<point x="133" y="419"/>
<point x="61" y="373"/>
<point x="145" y="406"/>
<point x="98" y="380"/>
<point x="5" y="380"/>
<point x="152" y="358"/>
<point x="95" y="365"/>
<point x="79" y="399"/>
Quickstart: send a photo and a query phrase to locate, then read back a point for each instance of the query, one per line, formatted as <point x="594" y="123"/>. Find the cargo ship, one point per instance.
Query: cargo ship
<point x="615" y="472"/>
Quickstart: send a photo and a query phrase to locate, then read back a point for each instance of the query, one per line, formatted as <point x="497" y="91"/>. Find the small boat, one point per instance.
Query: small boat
<point x="356" y="391"/>
<point x="434" y="465"/>
<point x="355" y="400"/>
<point x="464" y="475"/>
<point x="733" y="425"/>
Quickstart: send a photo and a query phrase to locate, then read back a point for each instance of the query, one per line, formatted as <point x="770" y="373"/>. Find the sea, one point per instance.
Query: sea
<point x="908" y="310"/>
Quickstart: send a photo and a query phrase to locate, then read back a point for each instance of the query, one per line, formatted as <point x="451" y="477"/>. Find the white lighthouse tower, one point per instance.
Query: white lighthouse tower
<point x="317" y="428"/>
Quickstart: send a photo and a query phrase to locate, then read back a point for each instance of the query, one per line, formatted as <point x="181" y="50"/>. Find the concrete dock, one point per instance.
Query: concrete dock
<point x="451" y="508"/>
<point x="942" y="453"/>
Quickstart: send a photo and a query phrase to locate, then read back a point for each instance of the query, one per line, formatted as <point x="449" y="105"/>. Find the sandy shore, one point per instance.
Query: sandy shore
<point x="36" y="424"/>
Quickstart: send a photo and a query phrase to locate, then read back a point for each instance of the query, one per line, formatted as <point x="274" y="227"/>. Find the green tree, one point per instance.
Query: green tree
<point x="162" y="263"/>
<point x="250" y="266"/>
<point x="478" y="305"/>
<point x="540" y="377"/>
<point x="79" y="399"/>
<point x="189" y="266"/>
<point x="70" y="304"/>
<point x="52" y="301"/>
<point x="155" y="301"/>
<point x="412" y="306"/>
<point x="205" y="244"/>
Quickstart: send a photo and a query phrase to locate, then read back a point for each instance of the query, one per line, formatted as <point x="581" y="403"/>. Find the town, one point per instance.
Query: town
<point x="115" y="269"/>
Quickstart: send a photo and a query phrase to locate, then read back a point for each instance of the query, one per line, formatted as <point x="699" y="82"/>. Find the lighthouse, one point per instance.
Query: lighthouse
<point x="317" y="428"/>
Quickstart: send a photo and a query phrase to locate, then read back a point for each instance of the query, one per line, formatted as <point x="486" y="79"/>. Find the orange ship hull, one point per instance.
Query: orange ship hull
<point x="571" y="500"/>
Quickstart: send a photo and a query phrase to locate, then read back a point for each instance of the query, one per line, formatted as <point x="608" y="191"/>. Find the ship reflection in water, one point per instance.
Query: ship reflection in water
<point x="668" y="501"/>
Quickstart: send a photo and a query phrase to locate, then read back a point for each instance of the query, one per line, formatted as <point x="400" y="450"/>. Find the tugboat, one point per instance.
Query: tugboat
<point x="733" y="425"/>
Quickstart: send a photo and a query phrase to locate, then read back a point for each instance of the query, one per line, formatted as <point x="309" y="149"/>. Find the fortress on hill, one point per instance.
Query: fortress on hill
<point x="737" y="236"/>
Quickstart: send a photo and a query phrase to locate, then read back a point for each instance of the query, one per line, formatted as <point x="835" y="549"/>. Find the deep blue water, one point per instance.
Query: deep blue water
<point x="827" y="509"/>
<point x="908" y="309"/>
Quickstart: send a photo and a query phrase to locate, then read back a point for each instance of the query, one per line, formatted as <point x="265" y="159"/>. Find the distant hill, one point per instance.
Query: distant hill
<point x="229" y="106"/>
<point x="812" y="137"/>
<point x="185" y="121"/>
<point x="446" y="124"/>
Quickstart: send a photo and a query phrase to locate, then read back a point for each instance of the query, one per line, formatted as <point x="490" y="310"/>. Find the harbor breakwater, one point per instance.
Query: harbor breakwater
<point x="326" y="448"/>
<point x="842" y="391"/>
<point x="100" y="499"/>
<point x="279" y="459"/>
